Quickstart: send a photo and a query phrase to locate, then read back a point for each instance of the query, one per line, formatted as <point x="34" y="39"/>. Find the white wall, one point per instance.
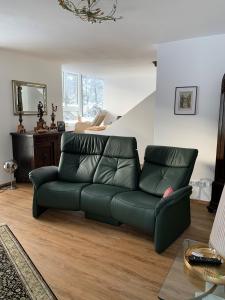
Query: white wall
<point x="20" y="67"/>
<point x="125" y="84"/>
<point x="201" y="62"/>
<point x="138" y="122"/>
<point x="125" y="90"/>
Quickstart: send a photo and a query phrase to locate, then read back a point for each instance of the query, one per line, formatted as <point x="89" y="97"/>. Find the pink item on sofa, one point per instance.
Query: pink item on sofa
<point x="168" y="192"/>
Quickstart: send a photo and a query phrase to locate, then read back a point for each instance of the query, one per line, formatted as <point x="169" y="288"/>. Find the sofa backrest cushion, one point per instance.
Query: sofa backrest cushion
<point x="80" y="156"/>
<point x="166" y="166"/>
<point x="119" y="164"/>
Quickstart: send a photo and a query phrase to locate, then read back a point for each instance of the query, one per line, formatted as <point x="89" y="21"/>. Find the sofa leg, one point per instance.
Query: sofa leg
<point x="37" y="210"/>
<point x="103" y="219"/>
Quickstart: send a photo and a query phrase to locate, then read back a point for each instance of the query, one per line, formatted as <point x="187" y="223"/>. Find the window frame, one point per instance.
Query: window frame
<point x="93" y="78"/>
<point x="80" y="109"/>
<point x="79" y="98"/>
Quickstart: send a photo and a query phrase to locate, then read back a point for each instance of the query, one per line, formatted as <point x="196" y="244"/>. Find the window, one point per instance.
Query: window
<point x="71" y="107"/>
<point x="82" y="96"/>
<point x="92" y="96"/>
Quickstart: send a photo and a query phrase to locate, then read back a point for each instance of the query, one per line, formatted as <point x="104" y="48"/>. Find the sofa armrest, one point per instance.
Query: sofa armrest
<point x="172" y="218"/>
<point x="173" y="198"/>
<point x="42" y="175"/>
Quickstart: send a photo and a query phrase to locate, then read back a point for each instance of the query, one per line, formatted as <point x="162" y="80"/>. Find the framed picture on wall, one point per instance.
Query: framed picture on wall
<point x="185" y="100"/>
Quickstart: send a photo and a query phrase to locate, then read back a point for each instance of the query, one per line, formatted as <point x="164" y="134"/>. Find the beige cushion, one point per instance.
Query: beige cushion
<point x="96" y="128"/>
<point x="82" y="126"/>
<point x="99" y="118"/>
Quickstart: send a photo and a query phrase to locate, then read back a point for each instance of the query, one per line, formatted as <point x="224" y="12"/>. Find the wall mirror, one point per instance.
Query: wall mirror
<point x="26" y="96"/>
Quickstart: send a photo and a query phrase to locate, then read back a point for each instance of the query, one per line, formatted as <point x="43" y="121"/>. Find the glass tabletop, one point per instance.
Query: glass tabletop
<point x="180" y="284"/>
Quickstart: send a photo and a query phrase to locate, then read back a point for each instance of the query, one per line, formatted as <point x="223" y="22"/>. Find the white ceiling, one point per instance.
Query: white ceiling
<point x="43" y="28"/>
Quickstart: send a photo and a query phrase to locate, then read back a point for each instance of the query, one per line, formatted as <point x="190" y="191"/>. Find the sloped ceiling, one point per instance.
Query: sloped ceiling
<point x="43" y="28"/>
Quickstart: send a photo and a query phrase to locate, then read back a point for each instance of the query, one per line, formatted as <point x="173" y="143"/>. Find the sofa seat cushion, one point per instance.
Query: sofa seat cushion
<point x="60" y="194"/>
<point x="135" y="208"/>
<point x="96" y="198"/>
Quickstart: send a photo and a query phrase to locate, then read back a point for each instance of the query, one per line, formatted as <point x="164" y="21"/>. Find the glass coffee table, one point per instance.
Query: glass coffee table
<point x="181" y="285"/>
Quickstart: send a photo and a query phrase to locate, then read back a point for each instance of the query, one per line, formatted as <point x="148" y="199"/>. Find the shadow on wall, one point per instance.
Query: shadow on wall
<point x="138" y="122"/>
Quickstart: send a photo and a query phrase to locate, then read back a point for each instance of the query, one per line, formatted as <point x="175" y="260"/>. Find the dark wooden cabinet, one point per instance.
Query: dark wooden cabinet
<point x="218" y="183"/>
<point x="33" y="150"/>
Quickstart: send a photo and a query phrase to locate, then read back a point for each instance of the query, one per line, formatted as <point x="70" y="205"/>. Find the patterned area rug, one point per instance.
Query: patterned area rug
<point x="19" y="278"/>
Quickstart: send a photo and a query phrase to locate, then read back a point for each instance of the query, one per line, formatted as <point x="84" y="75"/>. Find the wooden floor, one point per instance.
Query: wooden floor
<point x="84" y="259"/>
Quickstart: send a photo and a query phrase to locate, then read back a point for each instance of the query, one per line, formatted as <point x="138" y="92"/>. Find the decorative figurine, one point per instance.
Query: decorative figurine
<point x="54" y="110"/>
<point x="20" y="127"/>
<point x="40" y="111"/>
<point x="41" y="124"/>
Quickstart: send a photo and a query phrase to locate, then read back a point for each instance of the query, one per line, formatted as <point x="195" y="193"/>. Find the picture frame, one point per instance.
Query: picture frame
<point x="61" y="126"/>
<point x="186" y="100"/>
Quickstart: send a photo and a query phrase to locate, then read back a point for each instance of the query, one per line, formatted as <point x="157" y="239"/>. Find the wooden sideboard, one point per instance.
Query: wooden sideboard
<point x="32" y="150"/>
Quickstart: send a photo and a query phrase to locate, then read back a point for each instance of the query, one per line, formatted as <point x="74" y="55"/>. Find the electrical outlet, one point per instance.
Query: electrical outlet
<point x="194" y="183"/>
<point x="202" y="183"/>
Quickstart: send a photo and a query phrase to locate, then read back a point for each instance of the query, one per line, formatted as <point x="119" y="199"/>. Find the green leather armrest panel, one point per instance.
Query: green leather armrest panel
<point x="172" y="218"/>
<point x="43" y="175"/>
<point x="173" y="198"/>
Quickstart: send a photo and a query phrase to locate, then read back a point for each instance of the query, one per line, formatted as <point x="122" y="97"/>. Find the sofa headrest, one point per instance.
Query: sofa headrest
<point x="170" y="156"/>
<point x="121" y="147"/>
<point x="83" y="143"/>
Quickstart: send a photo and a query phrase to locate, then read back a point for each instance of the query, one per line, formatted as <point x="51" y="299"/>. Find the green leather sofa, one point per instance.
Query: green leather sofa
<point x="101" y="176"/>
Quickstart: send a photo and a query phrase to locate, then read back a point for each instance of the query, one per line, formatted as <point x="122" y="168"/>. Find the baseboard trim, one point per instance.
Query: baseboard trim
<point x="7" y="184"/>
<point x="202" y="202"/>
